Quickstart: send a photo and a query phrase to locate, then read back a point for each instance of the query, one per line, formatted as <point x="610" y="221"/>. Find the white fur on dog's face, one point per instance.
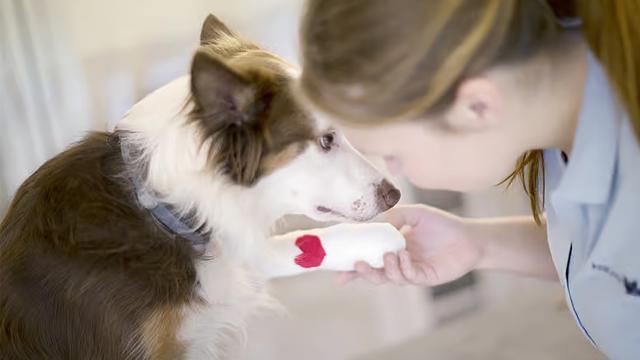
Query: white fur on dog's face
<point x="337" y="184"/>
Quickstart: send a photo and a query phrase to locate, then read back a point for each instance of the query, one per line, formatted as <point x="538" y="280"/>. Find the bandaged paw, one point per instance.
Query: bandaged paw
<point x="336" y="248"/>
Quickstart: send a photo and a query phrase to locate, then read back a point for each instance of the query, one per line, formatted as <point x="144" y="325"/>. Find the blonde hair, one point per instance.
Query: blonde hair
<point x="376" y="61"/>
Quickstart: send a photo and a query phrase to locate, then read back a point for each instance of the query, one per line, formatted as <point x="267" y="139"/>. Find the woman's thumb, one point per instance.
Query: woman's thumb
<point x="400" y="216"/>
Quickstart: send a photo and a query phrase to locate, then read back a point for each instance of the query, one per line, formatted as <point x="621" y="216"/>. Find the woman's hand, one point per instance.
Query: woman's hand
<point x="442" y="247"/>
<point x="439" y="249"/>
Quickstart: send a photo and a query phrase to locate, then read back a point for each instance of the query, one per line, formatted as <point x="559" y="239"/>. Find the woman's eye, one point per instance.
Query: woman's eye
<point x="326" y="141"/>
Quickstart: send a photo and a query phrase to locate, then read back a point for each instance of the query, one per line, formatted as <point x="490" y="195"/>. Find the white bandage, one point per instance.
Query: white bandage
<point x="341" y="246"/>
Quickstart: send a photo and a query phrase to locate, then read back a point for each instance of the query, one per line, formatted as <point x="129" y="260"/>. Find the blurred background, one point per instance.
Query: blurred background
<point x="71" y="66"/>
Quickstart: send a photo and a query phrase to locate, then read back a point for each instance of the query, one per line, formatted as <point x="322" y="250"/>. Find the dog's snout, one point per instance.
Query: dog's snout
<point x="386" y="195"/>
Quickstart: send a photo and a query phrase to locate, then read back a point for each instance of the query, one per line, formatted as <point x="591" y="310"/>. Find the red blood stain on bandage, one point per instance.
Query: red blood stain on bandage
<point x="312" y="251"/>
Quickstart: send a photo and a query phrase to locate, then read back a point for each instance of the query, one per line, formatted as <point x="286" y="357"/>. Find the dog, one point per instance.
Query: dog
<point x="141" y="243"/>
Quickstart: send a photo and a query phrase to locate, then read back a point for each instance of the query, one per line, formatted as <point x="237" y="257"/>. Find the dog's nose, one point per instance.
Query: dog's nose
<point x="386" y="195"/>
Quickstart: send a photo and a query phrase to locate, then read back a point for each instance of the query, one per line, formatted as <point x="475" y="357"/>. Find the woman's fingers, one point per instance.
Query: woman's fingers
<point x="406" y="266"/>
<point x="346" y="276"/>
<point x="392" y="269"/>
<point x="413" y="274"/>
<point x="424" y="274"/>
<point x="375" y="276"/>
<point x="398" y="268"/>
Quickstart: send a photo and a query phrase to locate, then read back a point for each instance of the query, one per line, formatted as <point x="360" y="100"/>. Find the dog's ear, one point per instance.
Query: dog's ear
<point x="218" y="89"/>
<point x="212" y="29"/>
<point x="229" y="107"/>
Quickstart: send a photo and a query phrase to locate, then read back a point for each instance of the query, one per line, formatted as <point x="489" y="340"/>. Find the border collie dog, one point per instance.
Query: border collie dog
<point x="142" y="243"/>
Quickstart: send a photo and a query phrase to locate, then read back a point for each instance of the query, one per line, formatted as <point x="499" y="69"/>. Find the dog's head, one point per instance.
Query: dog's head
<point x="244" y="147"/>
<point x="262" y="138"/>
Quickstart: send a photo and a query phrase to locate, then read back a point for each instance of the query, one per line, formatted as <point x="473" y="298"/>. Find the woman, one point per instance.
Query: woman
<point x="456" y="95"/>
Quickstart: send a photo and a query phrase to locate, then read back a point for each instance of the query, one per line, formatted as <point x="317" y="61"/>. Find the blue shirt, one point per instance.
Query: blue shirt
<point x="593" y="220"/>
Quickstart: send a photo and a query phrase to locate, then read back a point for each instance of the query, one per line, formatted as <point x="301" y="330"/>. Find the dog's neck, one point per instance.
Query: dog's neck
<point x="237" y="223"/>
<point x="169" y="152"/>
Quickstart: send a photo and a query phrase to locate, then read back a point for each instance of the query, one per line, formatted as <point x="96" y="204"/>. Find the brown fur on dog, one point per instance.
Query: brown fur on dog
<point x="243" y="104"/>
<point x="81" y="266"/>
<point x="159" y="334"/>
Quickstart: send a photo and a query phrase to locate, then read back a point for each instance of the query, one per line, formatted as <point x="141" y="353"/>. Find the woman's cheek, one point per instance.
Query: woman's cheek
<point x="438" y="172"/>
<point x="424" y="171"/>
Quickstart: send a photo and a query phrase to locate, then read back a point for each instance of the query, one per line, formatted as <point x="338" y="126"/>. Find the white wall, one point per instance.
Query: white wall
<point x="98" y="27"/>
<point x="129" y="48"/>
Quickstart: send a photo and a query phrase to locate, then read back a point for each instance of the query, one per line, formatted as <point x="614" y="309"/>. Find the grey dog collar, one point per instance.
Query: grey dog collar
<point x="169" y="221"/>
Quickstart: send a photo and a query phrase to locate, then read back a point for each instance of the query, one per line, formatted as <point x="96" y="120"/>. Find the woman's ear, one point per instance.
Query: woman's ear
<point x="477" y="107"/>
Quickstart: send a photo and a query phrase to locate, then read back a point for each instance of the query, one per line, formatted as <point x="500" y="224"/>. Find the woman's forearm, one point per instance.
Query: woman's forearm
<point x="515" y="244"/>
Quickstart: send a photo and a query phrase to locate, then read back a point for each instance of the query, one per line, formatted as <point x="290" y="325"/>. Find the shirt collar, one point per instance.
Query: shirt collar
<point x="589" y="174"/>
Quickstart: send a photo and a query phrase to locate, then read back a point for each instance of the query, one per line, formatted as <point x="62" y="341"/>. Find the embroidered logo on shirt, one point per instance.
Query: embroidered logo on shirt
<point x="630" y="286"/>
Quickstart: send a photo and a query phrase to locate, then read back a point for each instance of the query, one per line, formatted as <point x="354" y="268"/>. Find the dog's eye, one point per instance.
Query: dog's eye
<point x="326" y="141"/>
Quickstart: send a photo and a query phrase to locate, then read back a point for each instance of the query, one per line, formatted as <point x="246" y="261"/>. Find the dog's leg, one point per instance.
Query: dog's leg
<point x="336" y="247"/>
